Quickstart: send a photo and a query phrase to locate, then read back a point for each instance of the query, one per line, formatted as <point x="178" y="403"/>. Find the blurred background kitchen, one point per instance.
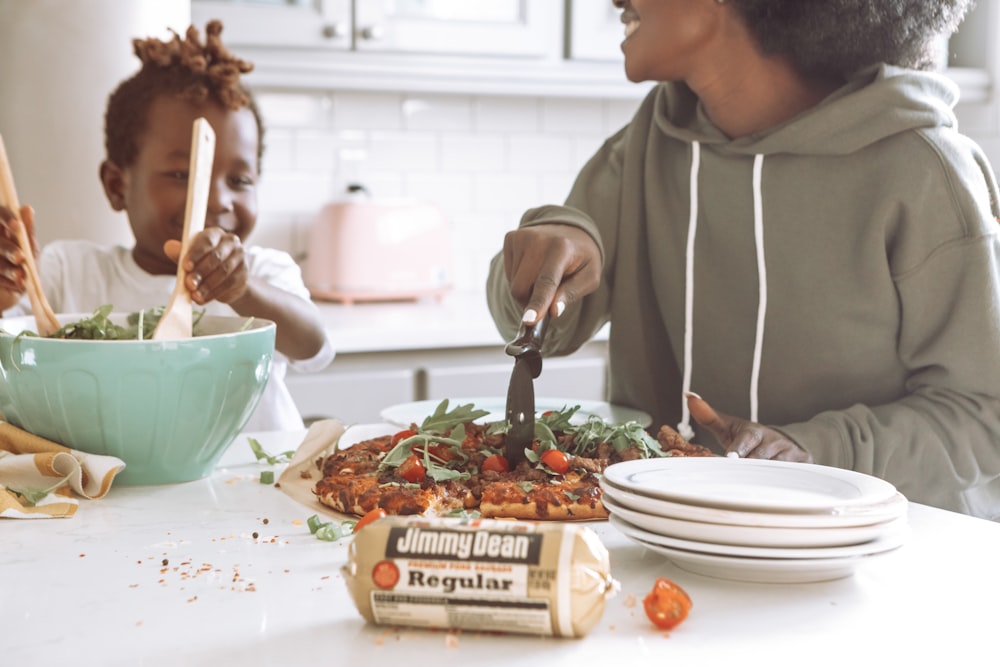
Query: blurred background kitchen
<point x="481" y="109"/>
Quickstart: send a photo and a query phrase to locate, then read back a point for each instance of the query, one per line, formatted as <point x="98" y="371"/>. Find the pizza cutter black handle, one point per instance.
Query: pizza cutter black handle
<point x="528" y="344"/>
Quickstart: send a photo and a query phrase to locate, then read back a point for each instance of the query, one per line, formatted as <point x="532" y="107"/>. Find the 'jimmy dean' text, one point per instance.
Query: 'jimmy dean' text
<point x="464" y="545"/>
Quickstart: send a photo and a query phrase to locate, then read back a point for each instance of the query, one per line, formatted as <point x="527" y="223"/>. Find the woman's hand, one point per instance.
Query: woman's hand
<point x="216" y="266"/>
<point x="12" y="274"/>
<point x="550" y="266"/>
<point x="746" y="438"/>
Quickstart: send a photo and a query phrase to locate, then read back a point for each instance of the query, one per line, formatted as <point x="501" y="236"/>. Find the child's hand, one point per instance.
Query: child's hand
<point x="12" y="274"/>
<point x="216" y="266"/>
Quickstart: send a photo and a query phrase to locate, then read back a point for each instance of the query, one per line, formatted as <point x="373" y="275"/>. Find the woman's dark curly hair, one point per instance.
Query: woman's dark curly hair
<point x="187" y="69"/>
<point x="836" y="38"/>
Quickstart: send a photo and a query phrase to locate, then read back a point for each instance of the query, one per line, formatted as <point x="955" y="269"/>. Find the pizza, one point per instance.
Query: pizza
<point x="451" y="463"/>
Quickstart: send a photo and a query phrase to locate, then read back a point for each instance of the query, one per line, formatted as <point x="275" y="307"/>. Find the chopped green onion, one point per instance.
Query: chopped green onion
<point x="314" y="522"/>
<point x="267" y="477"/>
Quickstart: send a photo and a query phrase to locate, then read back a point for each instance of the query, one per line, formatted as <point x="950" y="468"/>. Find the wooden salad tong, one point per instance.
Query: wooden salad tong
<point x="45" y="319"/>
<point x="177" y="320"/>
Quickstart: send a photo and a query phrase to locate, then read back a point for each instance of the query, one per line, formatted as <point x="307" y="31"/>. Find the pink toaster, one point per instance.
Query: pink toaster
<point x="364" y="249"/>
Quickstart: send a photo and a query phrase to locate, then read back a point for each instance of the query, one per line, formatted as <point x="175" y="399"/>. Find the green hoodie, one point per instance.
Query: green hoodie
<point x="836" y="278"/>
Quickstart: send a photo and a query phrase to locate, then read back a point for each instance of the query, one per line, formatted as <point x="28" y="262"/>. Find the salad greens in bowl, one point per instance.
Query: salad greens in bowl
<point x="168" y="409"/>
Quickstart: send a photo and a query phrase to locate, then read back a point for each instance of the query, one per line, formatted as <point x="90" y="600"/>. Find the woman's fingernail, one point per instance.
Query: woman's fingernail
<point x="691" y="394"/>
<point x="560" y="307"/>
<point x="529" y="316"/>
<point x="733" y="455"/>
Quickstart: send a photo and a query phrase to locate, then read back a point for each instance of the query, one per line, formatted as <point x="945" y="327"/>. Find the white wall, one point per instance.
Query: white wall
<point x="59" y="60"/>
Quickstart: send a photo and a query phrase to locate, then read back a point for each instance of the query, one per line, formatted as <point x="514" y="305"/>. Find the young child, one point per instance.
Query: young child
<point x="793" y="227"/>
<point x="148" y="127"/>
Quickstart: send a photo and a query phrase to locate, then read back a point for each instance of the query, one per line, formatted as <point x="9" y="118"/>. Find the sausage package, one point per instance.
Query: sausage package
<point x="480" y="575"/>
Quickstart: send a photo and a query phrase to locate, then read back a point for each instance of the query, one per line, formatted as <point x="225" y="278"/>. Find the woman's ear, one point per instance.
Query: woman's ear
<point x="113" y="180"/>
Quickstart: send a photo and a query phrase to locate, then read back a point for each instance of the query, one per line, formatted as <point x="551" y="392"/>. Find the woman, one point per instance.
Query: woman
<point x="792" y="227"/>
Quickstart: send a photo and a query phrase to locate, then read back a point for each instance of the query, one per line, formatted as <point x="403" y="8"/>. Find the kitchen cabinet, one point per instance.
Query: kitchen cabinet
<point x="357" y="386"/>
<point x="522" y="47"/>
<point x="595" y="31"/>
<point x="485" y="27"/>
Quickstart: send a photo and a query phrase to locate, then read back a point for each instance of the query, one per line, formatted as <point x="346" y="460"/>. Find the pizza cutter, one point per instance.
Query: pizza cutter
<point x="526" y="349"/>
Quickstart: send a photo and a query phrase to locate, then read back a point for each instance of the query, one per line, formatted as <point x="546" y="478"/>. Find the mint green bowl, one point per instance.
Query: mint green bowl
<point x="168" y="409"/>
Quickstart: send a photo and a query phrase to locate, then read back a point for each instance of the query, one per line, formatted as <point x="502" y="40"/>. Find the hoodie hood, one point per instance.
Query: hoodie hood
<point x="878" y="102"/>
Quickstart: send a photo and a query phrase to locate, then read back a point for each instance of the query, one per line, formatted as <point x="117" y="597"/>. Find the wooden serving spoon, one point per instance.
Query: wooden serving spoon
<point x="45" y="319"/>
<point x="177" y="319"/>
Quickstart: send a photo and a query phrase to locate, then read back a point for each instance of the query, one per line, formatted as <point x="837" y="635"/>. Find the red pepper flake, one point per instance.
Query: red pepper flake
<point x="192" y="599"/>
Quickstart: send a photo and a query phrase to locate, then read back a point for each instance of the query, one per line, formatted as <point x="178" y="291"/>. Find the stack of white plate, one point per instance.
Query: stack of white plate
<point x="755" y="520"/>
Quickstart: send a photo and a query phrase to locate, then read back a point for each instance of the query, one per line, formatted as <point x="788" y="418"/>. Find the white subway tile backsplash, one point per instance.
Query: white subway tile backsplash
<point x="441" y="112"/>
<point x="541" y="152"/>
<point x="452" y="191"/>
<point x="315" y="150"/>
<point x="483" y="159"/>
<point x="507" y="114"/>
<point x="279" y="152"/>
<point x="293" y="110"/>
<point x="360" y="110"/>
<point x="503" y="191"/>
<point x="403" y="151"/>
<point x="561" y="115"/>
<point x="284" y="194"/>
<point x="473" y="152"/>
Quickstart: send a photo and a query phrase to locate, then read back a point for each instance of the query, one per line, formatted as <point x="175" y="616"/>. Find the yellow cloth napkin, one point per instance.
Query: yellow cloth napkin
<point x="45" y="476"/>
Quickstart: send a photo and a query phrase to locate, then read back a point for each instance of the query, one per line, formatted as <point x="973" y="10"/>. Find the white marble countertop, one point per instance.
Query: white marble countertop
<point x="460" y="319"/>
<point x="224" y="571"/>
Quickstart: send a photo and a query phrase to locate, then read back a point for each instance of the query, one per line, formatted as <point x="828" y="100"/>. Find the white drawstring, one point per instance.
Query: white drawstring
<point x="758" y="235"/>
<point x="684" y="427"/>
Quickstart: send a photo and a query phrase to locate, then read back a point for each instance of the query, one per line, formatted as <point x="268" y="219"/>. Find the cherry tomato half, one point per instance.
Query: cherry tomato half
<point x="402" y="435"/>
<point x="412" y="469"/>
<point x="495" y="463"/>
<point x="667" y="604"/>
<point x="556" y="460"/>
<point x="371" y="517"/>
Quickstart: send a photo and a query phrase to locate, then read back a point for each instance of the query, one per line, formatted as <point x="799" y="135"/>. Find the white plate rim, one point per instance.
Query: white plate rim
<point x="888" y="510"/>
<point x="761" y="570"/>
<point x="891" y="538"/>
<point x="675" y="476"/>
<point x="404" y="414"/>
<point x="760" y="536"/>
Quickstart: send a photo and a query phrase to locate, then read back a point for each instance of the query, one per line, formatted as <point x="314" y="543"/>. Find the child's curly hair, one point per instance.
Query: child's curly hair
<point x="835" y="38"/>
<point x="187" y="69"/>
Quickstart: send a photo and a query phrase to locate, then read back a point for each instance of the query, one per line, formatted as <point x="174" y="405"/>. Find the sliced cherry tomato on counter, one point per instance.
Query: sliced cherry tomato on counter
<point x="495" y="463"/>
<point x="402" y="435"/>
<point x="556" y="460"/>
<point x="370" y="517"/>
<point x="412" y="469"/>
<point x="667" y="604"/>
